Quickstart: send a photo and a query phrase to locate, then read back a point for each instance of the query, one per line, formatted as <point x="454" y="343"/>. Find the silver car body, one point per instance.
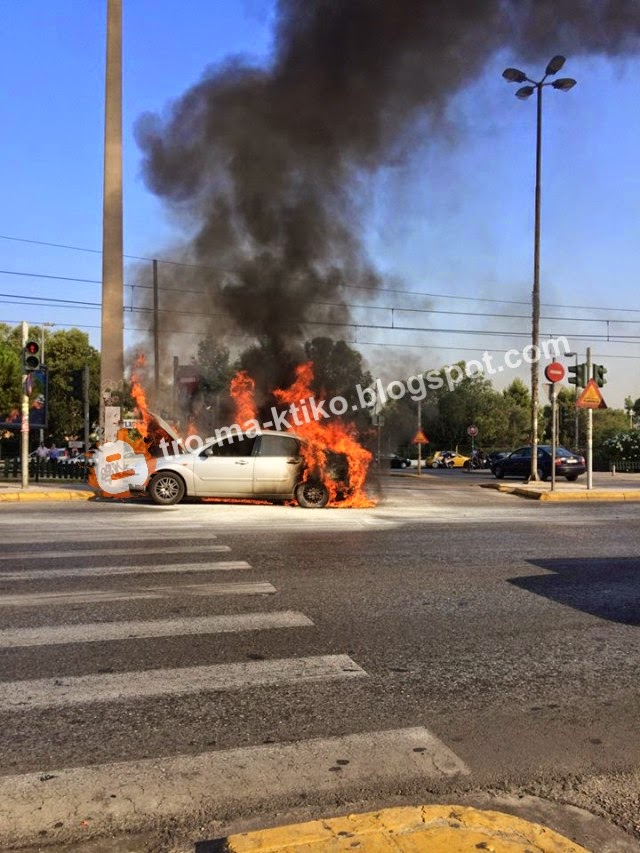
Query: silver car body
<point x="265" y="466"/>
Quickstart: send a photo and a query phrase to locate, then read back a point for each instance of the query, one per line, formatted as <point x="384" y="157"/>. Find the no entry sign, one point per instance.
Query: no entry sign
<point x="554" y="372"/>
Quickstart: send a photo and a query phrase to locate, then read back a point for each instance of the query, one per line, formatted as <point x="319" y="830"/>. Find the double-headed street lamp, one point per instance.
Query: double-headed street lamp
<point x="514" y="75"/>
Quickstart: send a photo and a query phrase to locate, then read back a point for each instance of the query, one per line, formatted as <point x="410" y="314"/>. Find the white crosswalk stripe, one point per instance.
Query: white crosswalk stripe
<point x="39" y="599"/>
<point x="93" y="571"/>
<point x="96" y="632"/>
<point x="102" y="554"/>
<point x="82" y="689"/>
<point x="168" y="787"/>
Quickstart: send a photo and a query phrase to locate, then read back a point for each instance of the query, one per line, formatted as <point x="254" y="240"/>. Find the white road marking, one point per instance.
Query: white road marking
<point x="122" y="686"/>
<point x="93" y="571"/>
<point x="149" y="551"/>
<point x="48" y="599"/>
<point x="137" y="793"/>
<point x="97" y="632"/>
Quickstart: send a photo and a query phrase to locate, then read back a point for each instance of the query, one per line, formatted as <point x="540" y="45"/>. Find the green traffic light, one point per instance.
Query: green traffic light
<point x="599" y="371"/>
<point x="579" y="377"/>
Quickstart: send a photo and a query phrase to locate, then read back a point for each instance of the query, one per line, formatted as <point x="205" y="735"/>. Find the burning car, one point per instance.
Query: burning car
<point x="269" y="466"/>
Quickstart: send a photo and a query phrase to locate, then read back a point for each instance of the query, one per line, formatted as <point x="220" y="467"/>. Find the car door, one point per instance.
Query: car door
<point x="225" y="468"/>
<point x="277" y="465"/>
<point x="519" y="463"/>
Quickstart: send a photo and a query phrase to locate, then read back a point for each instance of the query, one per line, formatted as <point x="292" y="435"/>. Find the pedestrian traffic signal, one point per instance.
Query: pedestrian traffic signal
<point x="579" y="377"/>
<point x="599" y="371"/>
<point x="76" y="379"/>
<point x="30" y="357"/>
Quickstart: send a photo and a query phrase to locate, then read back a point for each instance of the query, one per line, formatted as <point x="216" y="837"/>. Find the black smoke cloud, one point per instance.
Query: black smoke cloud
<point x="266" y="165"/>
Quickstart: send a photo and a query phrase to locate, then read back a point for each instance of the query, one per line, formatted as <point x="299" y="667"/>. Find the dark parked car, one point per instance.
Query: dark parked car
<point x="495" y="457"/>
<point x="518" y="464"/>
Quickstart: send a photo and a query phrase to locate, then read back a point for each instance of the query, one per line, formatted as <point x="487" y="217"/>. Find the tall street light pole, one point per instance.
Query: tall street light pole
<point x="514" y="75"/>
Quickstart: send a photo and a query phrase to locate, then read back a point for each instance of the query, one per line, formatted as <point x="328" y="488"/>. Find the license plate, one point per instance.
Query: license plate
<point x="570" y="461"/>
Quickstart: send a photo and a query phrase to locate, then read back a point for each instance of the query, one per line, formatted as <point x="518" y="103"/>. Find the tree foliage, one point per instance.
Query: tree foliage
<point x="64" y="351"/>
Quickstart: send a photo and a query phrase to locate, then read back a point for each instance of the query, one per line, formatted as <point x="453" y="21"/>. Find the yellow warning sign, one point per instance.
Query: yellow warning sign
<point x="591" y="398"/>
<point x="420" y="438"/>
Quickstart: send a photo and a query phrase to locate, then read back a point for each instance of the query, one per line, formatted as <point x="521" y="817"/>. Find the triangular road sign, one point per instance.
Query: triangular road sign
<point x="591" y="398"/>
<point x="420" y="438"/>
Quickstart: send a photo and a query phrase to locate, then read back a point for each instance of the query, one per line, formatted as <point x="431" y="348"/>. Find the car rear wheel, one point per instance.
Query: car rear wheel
<point x="166" y="489"/>
<point x="312" y="494"/>
<point x="435" y="465"/>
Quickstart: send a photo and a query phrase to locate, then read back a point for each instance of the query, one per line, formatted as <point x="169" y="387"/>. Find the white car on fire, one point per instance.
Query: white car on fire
<point x="269" y="466"/>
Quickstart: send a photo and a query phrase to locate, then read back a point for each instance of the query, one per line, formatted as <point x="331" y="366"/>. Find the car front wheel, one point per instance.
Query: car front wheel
<point x="166" y="489"/>
<point x="498" y="472"/>
<point x="312" y="494"/>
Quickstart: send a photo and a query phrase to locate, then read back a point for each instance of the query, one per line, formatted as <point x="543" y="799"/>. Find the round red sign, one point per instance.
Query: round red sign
<point x="554" y="372"/>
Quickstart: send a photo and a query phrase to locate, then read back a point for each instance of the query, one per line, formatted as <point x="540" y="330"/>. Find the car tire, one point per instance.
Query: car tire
<point x="572" y="477"/>
<point x="498" y="473"/>
<point x="166" y="489"/>
<point x="466" y="464"/>
<point x="435" y="465"/>
<point x="312" y="494"/>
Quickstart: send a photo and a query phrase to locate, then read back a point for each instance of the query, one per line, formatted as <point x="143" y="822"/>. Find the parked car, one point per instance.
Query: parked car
<point x="396" y="461"/>
<point x="518" y="464"/>
<point x="269" y="466"/>
<point x="447" y="459"/>
<point x="495" y="457"/>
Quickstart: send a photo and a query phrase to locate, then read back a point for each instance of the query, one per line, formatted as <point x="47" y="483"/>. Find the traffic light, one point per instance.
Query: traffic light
<point x="31" y="357"/>
<point x="599" y="371"/>
<point x="579" y="377"/>
<point x="76" y="378"/>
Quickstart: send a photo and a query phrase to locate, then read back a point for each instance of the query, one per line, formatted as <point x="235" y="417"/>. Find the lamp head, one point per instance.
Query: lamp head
<point x="525" y="92"/>
<point x="564" y="84"/>
<point x="555" y="65"/>
<point x="514" y="75"/>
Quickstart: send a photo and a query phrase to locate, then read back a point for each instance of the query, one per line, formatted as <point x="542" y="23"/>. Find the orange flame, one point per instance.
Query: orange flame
<point x="324" y="437"/>
<point x="242" y="391"/>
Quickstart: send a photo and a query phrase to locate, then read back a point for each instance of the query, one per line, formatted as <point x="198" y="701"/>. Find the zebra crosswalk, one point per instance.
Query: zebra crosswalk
<point x="153" y="606"/>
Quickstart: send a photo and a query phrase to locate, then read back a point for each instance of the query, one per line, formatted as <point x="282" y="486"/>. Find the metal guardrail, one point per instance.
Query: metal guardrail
<point x="624" y="466"/>
<point x="45" y="469"/>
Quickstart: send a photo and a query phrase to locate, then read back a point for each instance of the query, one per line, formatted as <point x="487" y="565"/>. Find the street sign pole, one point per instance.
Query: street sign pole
<point x="553" y="434"/>
<point x="24" y="424"/>
<point x="419" y="443"/>
<point x="589" y="429"/>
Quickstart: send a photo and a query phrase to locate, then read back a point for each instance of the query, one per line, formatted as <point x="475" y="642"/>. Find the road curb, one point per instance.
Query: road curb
<point x="566" y="497"/>
<point x="433" y="829"/>
<point x="53" y="495"/>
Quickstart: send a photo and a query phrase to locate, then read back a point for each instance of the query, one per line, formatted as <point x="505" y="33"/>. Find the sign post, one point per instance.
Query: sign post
<point x="554" y="372"/>
<point x="24" y="421"/>
<point x="420" y="438"/>
<point x="590" y="399"/>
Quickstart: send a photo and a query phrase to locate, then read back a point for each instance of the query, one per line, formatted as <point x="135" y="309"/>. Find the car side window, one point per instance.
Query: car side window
<point x="278" y="445"/>
<point x="232" y="446"/>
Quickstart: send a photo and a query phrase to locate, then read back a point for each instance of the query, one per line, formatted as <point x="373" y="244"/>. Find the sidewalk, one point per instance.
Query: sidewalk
<point x="432" y="829"/>
<point x="53" y="490"/>
<point x="606" y="487"/>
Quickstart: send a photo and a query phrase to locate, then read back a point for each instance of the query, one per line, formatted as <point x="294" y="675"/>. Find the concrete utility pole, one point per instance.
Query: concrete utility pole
<point x="112" y="344"/>
<point x="24" y="408"/>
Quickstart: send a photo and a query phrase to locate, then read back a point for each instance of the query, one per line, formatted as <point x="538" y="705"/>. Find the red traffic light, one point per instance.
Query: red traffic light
<point x="30" y="356"/>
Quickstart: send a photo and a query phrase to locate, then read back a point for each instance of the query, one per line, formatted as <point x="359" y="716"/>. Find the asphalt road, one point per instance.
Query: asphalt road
<point x="450" y="644"/>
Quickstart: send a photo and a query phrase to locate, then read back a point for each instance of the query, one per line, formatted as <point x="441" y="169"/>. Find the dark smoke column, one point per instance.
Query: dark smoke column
<point x="112" y="344"/>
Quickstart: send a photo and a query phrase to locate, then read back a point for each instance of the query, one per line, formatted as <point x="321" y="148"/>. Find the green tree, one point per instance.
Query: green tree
<point x="68" y="350"/>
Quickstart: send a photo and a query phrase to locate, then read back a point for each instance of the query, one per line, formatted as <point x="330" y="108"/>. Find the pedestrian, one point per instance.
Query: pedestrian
<point x="42" y="452"/>
<point x="53" y="453"/>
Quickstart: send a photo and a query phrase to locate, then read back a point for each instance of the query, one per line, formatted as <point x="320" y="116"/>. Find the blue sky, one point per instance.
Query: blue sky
<point x="454" y="218"/>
